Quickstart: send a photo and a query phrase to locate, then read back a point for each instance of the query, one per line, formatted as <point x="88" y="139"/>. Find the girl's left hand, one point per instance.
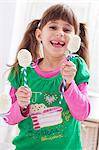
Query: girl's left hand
<point x="68" y="71"/>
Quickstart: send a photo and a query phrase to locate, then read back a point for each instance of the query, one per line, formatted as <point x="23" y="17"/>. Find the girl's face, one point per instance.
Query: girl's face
<point x="55" y="36"/>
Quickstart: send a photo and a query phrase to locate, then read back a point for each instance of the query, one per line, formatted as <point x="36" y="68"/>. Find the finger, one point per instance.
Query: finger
<point x="23" y="101"/>
<point x="69" y="63"/>
<point x="22" y="94"/>
<point x="69" y="72"/>
<point x="23" y="98"/>
<point x="69" y="69"/>
<point x="29" y="92"/>
<point x="66" y="66"/>
<point x="27" y="89"/>
<point x="68" y="75"/>
<point x="23" y="104"/>
<point x="23" y="89"/>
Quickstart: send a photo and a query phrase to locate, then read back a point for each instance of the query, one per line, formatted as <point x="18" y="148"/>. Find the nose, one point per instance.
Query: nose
<point x="60" y="33"/>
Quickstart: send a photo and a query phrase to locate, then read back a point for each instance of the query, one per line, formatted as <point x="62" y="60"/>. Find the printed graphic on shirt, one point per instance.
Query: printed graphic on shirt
<point x="43" y="116"/>
<point x="67" y="115"/>
<point x="46" y="96"/>
<point x="50" y="98"/>
<point x="49" y="133"/>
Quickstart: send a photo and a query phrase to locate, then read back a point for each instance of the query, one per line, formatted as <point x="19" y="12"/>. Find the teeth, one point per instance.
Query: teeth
<point x="55" y="42"/>
<point x="61" y="42"/>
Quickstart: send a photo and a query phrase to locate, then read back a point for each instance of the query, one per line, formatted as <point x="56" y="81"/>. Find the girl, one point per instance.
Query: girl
<point x="43" y="122"/>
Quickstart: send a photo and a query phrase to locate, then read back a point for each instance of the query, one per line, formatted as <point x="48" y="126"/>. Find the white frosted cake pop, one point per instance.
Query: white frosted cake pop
<point x="24" y="58"/>
<point x="5" y="103"/>
<point x="74" y="44"/>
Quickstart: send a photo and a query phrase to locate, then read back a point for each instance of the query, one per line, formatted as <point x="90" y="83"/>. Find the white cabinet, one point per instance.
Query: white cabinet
<point x="90" y="135"/>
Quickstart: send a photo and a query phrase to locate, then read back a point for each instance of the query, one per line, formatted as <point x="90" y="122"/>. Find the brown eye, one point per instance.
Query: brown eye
<point x="53" y="27"/>
<point x="67" y="30"/>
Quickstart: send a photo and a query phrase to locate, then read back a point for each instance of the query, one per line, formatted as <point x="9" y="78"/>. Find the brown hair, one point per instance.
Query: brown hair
<point x="55" y="12"/>
<point x="84" y="48"/>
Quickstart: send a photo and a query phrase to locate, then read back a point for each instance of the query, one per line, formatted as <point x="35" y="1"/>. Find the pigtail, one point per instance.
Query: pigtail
<point x="28" y="42"/>
<point x="84" y="48"/>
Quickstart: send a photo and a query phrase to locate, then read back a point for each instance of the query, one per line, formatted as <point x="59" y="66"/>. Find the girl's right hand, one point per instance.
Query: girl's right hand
<point x="23" y="95"/>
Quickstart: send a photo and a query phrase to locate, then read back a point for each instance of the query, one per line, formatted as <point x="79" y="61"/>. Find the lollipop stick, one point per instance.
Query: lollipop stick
<point x="64" y="80"/>
<point x="63" y="89"/>
<point x="25" y="76"/>
<point x="25" y="81"/>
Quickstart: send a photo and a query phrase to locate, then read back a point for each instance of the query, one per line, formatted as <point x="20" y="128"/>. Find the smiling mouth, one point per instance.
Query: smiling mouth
<point x="57" y="43"/>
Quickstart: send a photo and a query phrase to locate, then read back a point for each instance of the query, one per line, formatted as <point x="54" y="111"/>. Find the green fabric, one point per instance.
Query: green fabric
<point x="82" y="74"/>
<point x="64" y="136"/>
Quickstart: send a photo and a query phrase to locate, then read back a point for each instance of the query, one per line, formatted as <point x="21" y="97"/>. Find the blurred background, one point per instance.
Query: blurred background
<point x="14" y="17"/>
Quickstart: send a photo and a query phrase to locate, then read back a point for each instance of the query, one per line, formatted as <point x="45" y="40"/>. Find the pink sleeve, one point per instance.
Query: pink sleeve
<point x="77" y="100"/>
<point x="14" y="115"/>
